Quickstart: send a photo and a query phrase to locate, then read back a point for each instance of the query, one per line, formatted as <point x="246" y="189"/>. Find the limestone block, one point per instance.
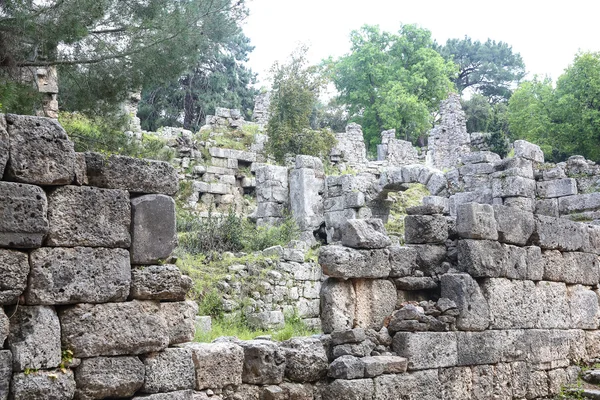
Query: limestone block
<point x="456" y="382"/>
<point x="479" y="157"/>
<point x="168" y="371"/>
<point x="559" y="234"/>
<point x="338" y="302"/>
<point x="365" y="234"/>
<point x="437" y="183"/>
<point x="266" y="320"/>
<point x="476" y="348"/>
<point x="88" y="216"/>
<point x="347" y="367"/>
<point x="430" y="258"/>
<point x="474" y="314"/>
<point x="420" y="229"/>
<point x="153" y="230"/>
<point x="592" y="344"/>
<point x="40" y="151"/>
<point x="178" y="395"/>
<point x="112" y="329"/>
<point x="5" y="373"/>
<point x="61" y="275"/>
<point x="557" y="380"/>
<point x="556" y="188"/>
<point x="378" y="365"/>
<point x="476" y="169"/>
<point x="14" y="268"/>
<point x="437" y="201"/>
<point x="511" y="186"/>
<point x="583" y="305"/>
<point x="547" y="207"/>
<point x="535" y="263"/>
<point x="180" y="318"/>
<point x="571" y="267"/>
<point x="34" y="338"/>
<point x="483" y="382"/>
<point x="114" y="377"/>
<point x="355" y="389"/>
<point x="506" y="301"/>
<point x="427" y="349"/>
<point x="355" y="335"/>
<point x="344" y="262"/>
<point x="476" y="221"/>
<point x="482" y="196"/>
<point x="418" y="385"/>
<point x="528" y="151"/>
<point x="579" y="203"/>
<point x="490" y="259"/>
<point x="159" y="282"/>
<point x="361" y="349"/>
<point x="23" y="209"/>
<point x="43" y="385"/>
<point x="593" y="244"/>
<point x="537" y="386"/>
<point x="548" y="349"/>
<point x="264" y="362"/>
<point x="515" y="166"/>
<point x="132" y="174"/>
<point x="403" y="261"/>
<point x="375" y="301"/>
<point x="306" y="360"/>
<point x="217" y="364"/>
<point x="514" y="226"/>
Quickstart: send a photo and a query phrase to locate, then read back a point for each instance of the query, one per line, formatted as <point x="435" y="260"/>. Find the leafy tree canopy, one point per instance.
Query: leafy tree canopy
<point x="489" y="68"/>
<point x="107" y="48"/>
<point x="392" y="81"/>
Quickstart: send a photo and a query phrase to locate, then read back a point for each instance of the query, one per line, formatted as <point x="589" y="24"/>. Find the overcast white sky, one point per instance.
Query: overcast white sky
<point x="546" y="33"/>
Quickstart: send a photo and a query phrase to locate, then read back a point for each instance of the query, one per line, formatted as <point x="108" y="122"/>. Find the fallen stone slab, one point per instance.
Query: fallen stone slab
<point x="159" y="282"/>
<point x="23" y="221"/>
<point x="153" y="230"/>
<point x="169" y="371"/>
<point x="43" y="385"/>
<point x="113" y="329"/>
<point x="344" y="262"/>
<point x="88" y="216"/>
<point x="40" y="151"/>
<point x="132" y="174"/>
<point x="63" y="275"/>
<point x="14" y="269"/>
<point x="217" y="364"/>
<point x="112" y="377"/>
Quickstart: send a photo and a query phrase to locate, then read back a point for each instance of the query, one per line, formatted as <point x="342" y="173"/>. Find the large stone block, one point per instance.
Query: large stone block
<point x="43" y="385"/>
<point x="456" y="383"/>
<point x="34" y="338"/>
<point x="430" y="258"/>
<point x="583" y="305"/>
<point x="338" y="303"/>
<point x="159" y="282"/>
<point x="579" y="203"/>
<point x="513" y="186"/>
<point x="511" y="303"/>
<point x="306" y="360"/>
<point x="480" y="157"/>
<point x="490" y="259"/>
<point x="557" y="188"/>
<point x="344" y="262"/>
<point x="514" y="226"/>
<point x="418" y="385"/>
<point x="112" y="329"/>
<point x="178" y="395"/>
<point x="40" y="151"/>
<point x="535" y="263"/>
<point x="548" y="349"/>
<point x="346" y="367"/>
<point x="355" y="389"/>
<point x="112" y="377"/>
<point x="5" y="373"/>
<point x="153" y="230"/>
<point x="264" y="362"/>
<point x="476" y="221"/>
<point x="403" y="261"/>
<point x="421" y="229"/>
<point x="476" y="348"/>
<point x="426" y="350"/>
<point x="169" y="370"/>
<point x="266" y="320"/>
<point x="515" y="166"/>
<point x="552" y="305"/>
<point x="375" y="301"/>
<point x="571" y="267"/>
<point x="365" y="234"/>
<point x="474" y="314"/>
<point x="559" y="234"/>
<point x="132" y="174"/>
<point x="180" y="317"/>
<point x="528" y="151"/>
<point x="88" y="216"/>
<point x="217" y="364"/>
<point x="14" y="268"/>
<point x="23" y="221"/>
<point x="63" y="275"/>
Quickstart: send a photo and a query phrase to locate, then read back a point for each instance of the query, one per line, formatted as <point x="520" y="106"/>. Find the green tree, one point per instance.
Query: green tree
<point x="105" y="49"/>
<point x="489" y="68"/>
<point x="294" y="95"/>
<point x="392" y="81"/>
<point x="219" y="79"/>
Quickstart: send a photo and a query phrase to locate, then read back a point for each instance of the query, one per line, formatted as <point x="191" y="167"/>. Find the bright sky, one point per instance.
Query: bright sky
<point x="548" y="34"/>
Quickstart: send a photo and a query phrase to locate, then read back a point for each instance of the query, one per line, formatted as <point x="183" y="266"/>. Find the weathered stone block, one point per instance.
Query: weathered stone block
<point x="418" y="385"/>
<point x="456" y="383"/>
<point x="375" y="301"/>
<point x="378" y="365"/>
<point x="180" y="317"/>
<point x="355" y="389"/>
<point x="132" y="174"/>
<point x="14" y="268"/>
<point x="178" y="395"/>
<point x="168" y="371"/>
<point x="5" y="373"/>
<point x="420" y="229"/>
<point x="430" y="258"/>
<point x="528" y="151"/>
<point x="514" y="226"/>
<point x="476" y="221"/>
<point x="583" y="305"/>
<point x="506" y="301"/>
<point x="347" y="367"/>
<point x="63" y="275"/>
<point x="475" y="348"/>
<point x="159" y="282"/>
<point x="34" y="338"/>
<point x="482" y="196"/>
<point x="217" y="364"/>
<point x="344" y="262"/>
<point x="113" y="377"/>
<point x="264" y="362"/>
<point x="43" y="385"/>
<point x="474" y="314"/>
<point x="306" y="360"/>
<point x="88" y="216"/>
<point x="479" y="157"/>
<point x="153" y="230"/>
<point x="515" y="166"/>
<point x="557" y="188"/>
<point x="571" y="267"/>
<point x="23" y="209"/>
<point x="490" y="259"/>
<point x="40" y="151"/>
<point x="559" y="234"/>
<point x="513" y="186"/>
<point x="426" y="350"/>
<point x="338" y="302"/>
<point x="535" y="263"/>
<point x="547" y="207"/>
<point x="365" y="234"/>
<point x="579" y="203"/>
<point x="112" y="329"/>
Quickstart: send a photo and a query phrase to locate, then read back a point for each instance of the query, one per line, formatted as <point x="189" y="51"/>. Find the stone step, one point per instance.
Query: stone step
<point x="592" y="376"/>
